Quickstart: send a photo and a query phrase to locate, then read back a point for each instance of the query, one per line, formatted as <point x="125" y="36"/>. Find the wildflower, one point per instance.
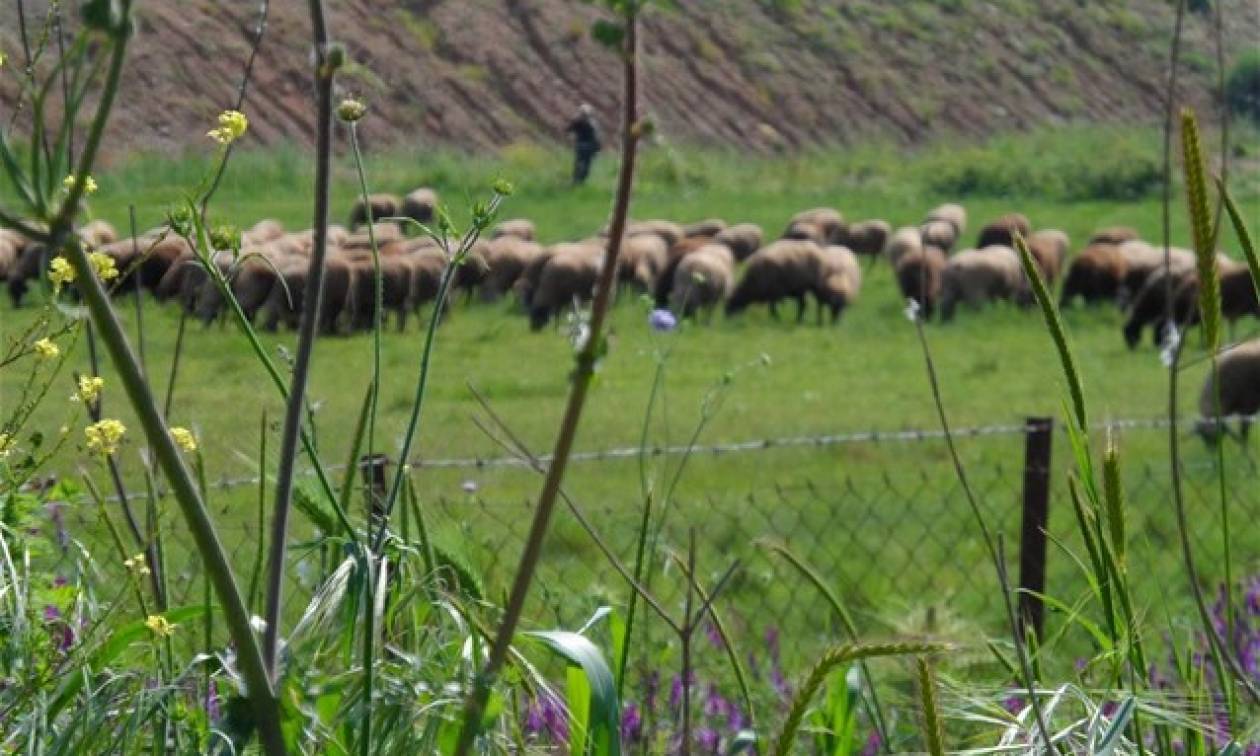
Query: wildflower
<point x="873" y="744"/>
<point x="631" y="724"/>
<point x="232" y="124"/>
<point x="351" y="110"/>
<point x="160" y="626"/>
<point x="469" y="486"/>
<point x="912" y="310"/>
<point x="662" y="320"/>
<point x="137" y="564"/>
<point x="60" y="273"/>
<point x="213" y="709"/>
<point x="103" y="437"/>
<point x="1013" y="705"/>
<point x="258" y="624"/>
<point x="89" y="388"/>
<point x="104" y="266"/>
<point x="46" y="349"/>
<point x="184" y="439"/>
<point x="89" y="184"/>
<point x="6" y="445"/>
<point x="708" y="740"/>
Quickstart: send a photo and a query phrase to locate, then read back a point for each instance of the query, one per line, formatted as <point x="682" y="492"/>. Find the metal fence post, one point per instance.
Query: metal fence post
<point x="1038" y="439"/>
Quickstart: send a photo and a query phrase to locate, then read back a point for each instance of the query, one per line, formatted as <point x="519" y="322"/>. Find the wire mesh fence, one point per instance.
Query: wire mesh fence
<point x="888" y="527"/>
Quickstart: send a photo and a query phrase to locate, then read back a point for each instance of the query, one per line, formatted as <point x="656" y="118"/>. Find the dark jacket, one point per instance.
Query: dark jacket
<point x="585" y="134"/>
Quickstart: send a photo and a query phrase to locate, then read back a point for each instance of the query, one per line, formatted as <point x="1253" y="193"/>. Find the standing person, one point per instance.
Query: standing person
<point x="585" y="142"/>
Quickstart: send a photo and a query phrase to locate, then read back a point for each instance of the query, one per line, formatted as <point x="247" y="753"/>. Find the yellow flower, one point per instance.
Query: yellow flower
<point x="184" y="439"/>
<point x="160" y="626"/>
<point x="351" y="110"/>
<point x="137" y="564"/>
<point x="89" y="388"/>
<point x="46" y="349"/>
<point x="89" y="184"/>
<point x="6" y="445"/>
<point x="104" y="266"/>
<point x="232" y="124"/>
<point x="60" y="273"/>
<point x="103" y="437"/>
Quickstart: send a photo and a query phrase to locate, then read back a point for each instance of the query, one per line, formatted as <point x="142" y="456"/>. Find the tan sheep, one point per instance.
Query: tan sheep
<point x="1049" y="248"/>
<point x="670" y="232"/>
<point x="261" y="232"/>
<point x="1001" y="231"/>
<point x="827" y="222"/>
<point x="955" y="215"/>
<point x="867" y="238"/>
<point x="977" y="276"/>
<point x="519" y="228"/>
<point x="743" y="239"/>
<point x="709" y="227"/>
<point x="377" y="207"/>
<point x="919" y="277"/>
<point x="940" y="234"/>
<point x="785" y="269"/>
<point x="906" y="240"/>
<point x="839" y="281"/>
<point x="569" y="275"/>
<point x="98" y="233"/>
<point x="702" y="281"/>
<point x="420" y="205"/>
<point x="1096" y="275"/>
<point x="1233" y="389"/>
<point x="506" y="258"/>
<point x="1114" y="235"/>
<point x="642" y="259"/>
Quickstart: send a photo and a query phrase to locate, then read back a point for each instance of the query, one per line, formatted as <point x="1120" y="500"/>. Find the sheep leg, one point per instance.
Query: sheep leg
<point x="774" y="309"/>
<point x="800" y="308"/>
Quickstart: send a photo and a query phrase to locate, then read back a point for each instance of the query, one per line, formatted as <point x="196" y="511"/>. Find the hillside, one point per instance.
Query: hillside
<point x="492" y="72"/>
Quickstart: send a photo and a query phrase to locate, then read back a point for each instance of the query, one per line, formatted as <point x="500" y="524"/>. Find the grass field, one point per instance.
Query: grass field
<point x="835" y="503"/>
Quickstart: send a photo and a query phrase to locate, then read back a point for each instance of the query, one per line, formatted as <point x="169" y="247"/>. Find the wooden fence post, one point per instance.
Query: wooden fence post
<point x="1038" y="440"/>
<point x="373" y="471"/>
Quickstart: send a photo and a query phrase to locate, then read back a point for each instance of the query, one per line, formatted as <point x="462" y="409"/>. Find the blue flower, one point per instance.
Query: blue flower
<point x="662" y="320"/>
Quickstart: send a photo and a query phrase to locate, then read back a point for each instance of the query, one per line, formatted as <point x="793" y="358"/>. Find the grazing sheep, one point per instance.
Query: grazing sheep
<point x="11" y="245"/>
<point x="519" y="228"/>
<point x="1096" y="275"/>
<point x="641" y="260"/>
<point x="31" y="261"/>
<point x="1150" y="307"/>
<point x="569" y="275"/>
<point x="799" y="230"/>
<point x="98" y="233"/>
<point x="1114" y="235"/>
<point x="839" y="281"/>
<point x="665" y="278"/>
<point x="377" y="207"/>
<point x="262" y="232"/>
<point x="786" y="269"/>
<point x="743" y="239"/>
<point x="506" y="259"/>
<point x="1142" y="259"/>
<point x="396" y="277"/>
<point x="709" y="227"/>
<point x="1049" y="248"/>
<point x="670" y="232"/>
<point x="702" y="281"/>
<point x="919" y="277"/>
<point x="250" y="282"/>
<point x="867" y="238"/>
<point x="977" y="276"/>
<point x="827" y="222"/>
<point x="382" y="232"/>
<point x="907" y="239"/>
<point x="940" y="234"/>
<point x="955" y="215"/>
<point x="1001" y="231"/>
<point x="285" y="302"/>
<point x="1235" y="393"/>
<point x="472" y="272"/>
<point x="420" y="205"/>
<point x="427" y="266"/>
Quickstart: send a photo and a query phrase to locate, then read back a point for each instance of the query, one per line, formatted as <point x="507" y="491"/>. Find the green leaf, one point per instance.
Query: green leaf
<point x="603" y="708"/>
<point x="1118" y="722"/>
<point x="608" y="33"/>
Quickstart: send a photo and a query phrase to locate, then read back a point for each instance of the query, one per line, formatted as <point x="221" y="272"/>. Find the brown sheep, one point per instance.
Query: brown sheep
<point x="1238" y="300"/>
<point x="32" y="260"/>
<point x="420" y="205"/>
<point x="1001" y="231"/>
<point x="1114" y="235"/>
<point x="1049" y="248"/>
<point x="786" y="269"/>
<point x="98" y="233"/>
<point x="396" y="277"/>
<point x="11" y="245"/>
<point x="919" y="277"/>
<point x="955" y="215"/>
<point x="702" y="281"/>
<point x="382" y="232"/>
<point x="839" y="281"/>
<point x="642" y="259"/>
<point x="827" y="222"/>
<point x="906" y="240"/>
<point x="261" y="232"/>
<point x="977" y="276"/>
<point x="519" y="228"/>
<point x="1233" y="389"/>
<point x="1142" y="259"/>
<point x="669" y="231"/>
<point x="665" y="279"/>
<point x="743" y="239"/>
<point x="285" y="302"/>
<point x="427" y="267"/>
<point x="940" y="234"/>
<point x="867" y="238"/>
<point x="1096" y="275"/>
<point x="527" y="283"/>
<point x="709" y="227"/>
<point x="569" y="275"/>
<point x="377" y="207"/>
<point x="506" y="259"/>
<point x="251" y="284"/>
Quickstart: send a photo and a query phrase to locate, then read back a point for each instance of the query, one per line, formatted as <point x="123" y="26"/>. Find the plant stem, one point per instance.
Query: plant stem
<point x="586" y="359"/>
<point x="313" y="296"/>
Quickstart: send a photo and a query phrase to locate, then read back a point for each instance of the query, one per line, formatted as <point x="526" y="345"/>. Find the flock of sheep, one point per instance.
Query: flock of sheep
<point x="691" y="269"/>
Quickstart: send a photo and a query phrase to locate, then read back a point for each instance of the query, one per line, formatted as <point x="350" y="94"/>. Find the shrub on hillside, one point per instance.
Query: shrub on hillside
<point x="1242" y="88"/>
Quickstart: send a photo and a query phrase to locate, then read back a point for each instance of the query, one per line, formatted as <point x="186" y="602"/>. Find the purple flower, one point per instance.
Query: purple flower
<point x="59" y="582"/>
<point x="662" y="320"/>
<point x="59" y="629"/>
<point x="1013" y="705"/>
<point x="715" y="637"/>
<point x="212" y="702"/>
<point x="631" y="724"/>
<point x="714" y="704"/>
<point x="651" y="686"/>
<point x="675" y="692"/>
<point x="533" y="718"/>
<point x="708" y="740"/>
<point x="1109" y="709"/>
<point x="56" y="512"/>
<point x="51" y="613"/>
<point x="545" y="717"/>
<point x="872" y="745"/>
